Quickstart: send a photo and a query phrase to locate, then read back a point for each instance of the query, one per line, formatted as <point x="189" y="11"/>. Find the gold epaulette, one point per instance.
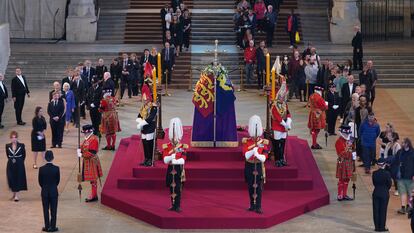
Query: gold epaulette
<point x="164" y="146"/>
<point x="244" y="140"/>
<point x="185" y="146"/>
<point x="265" y="141"/>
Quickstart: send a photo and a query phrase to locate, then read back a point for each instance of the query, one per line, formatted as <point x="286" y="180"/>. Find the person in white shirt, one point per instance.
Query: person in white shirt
<point x="168" y="19"/>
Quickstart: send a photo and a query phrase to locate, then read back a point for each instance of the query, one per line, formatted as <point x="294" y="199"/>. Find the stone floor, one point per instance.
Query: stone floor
<point x="77" y="216"/>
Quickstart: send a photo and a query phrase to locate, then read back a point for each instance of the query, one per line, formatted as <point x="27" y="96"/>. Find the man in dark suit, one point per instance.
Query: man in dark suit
<point x="357" y="44"/>
<point x="144" y="59"/>
<point x="87" y="74"/>
<point x="168" y="61"/>
<point x="78" y="88"/>
<point x="381" y="179"/>
<point x="3" y="97"/>
<point x="127" y="67"/>
<point x="346" y="92"/>
<point x="261" y="64"/>
<point x="49" y="178"/>
<point x="56" y="112"/>
<point x="108" y="83"/>
<point x="93" y="100"/>
<point x="68" y="78"/>
<point x="19" y="90"/>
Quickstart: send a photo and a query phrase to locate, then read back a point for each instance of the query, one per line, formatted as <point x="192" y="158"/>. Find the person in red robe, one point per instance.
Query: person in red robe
<point x="109" y="121"/>
<point x="317" y="117"/>
<point x="345" y="162"/>
<point x="174" y="154"/>
<point x="91" y="166"/>
<point x="255" y="152"/>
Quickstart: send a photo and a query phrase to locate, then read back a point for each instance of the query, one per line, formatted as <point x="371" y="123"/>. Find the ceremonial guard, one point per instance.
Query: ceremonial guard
<point x="174" y="154"/>
<point x="93" y="100"/>
<point x="110" y="123"/>
<point x="317" y="117"/>
<point x="281" y="124"/>
<point x="255" y="151"/>
<point x="345" y="162"/>
<point x="147" y="124"/>
<point x="91" y="166"/>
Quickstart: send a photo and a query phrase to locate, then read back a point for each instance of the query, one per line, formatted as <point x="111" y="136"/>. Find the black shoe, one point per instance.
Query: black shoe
<point x="1" y="126"/>
<point x="53" y="229"/>
<point x="314" y="147"/>
<point x="143" y="163"/>
<point x="91" y="200"/>
<point x="172" y="208"/>
<point x="106" y="148"/>
<point x="318" y="147"/>
<point x="347" y="198"/>
<point x="21" y="123"/>
<point x="112" y="148"/>
<point x="251" y="208"/>
<point x="259" y="211"/>
<point x="148" y="163"/>
<point x="178" y="209"/>
<point x="45" y="229"/>
<point x="53" y="147"/>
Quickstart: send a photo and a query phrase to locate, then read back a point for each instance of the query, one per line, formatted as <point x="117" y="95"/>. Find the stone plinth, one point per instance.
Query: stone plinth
<point x="344" y="17"/>
<point x="4" y="47"/>
<point x="81" y="23"/>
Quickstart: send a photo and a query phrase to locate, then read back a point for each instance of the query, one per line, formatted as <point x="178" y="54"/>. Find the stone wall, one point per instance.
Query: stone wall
<point x="4" y="47"/>
<point x="34" y="18"/>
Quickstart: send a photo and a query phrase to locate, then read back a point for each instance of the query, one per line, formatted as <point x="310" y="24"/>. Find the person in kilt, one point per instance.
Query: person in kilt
<point x="317" y="117"/>
<point x="91" y="166"/>
<point x="109" y="123"/>
<point x="345" y="165"/>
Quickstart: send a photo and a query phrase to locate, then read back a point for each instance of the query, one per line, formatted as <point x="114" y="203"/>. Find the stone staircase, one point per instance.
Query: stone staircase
<point x="111" y="24"/>
<point x="395" y="70"/>
<point x="314" y="19"/>
<point x="143" y="21"/>
<point x="43" y="68"/>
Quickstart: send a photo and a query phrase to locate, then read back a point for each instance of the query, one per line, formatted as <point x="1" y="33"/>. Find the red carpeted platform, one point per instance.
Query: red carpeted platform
<point x="215" y="195"/>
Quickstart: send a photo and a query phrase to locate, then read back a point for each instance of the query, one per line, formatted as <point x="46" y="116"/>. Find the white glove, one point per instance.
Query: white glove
<point x="354" y="156"/>
<point x="92" y="105"/>
<point x="79" y="152"/>
<point x="283" y="122"/>
<point x="289" y="123"/>
<point x="168" y="159"/>
<point x="250" y="153"/>
<point x="178" y="161"/>
<point x="260" y="157"/>
<point x="335" y="106"/>
<point x="138" y="120"/>
<point x="326" y="103"/>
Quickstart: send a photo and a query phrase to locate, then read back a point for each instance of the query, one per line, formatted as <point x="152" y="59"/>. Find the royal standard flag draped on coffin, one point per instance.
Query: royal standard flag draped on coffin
<point x="203" y="99"/>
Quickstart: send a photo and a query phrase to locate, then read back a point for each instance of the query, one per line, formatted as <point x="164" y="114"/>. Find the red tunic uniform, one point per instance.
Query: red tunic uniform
<point x="109" y="122"/>
<point x="317" y="117"/>
<point x="249" y="144"/>
<point x="279" y="113"/>
<point x="180" y="149"/>
<point x="91" y="169"/>
<point x="344" y="164"/>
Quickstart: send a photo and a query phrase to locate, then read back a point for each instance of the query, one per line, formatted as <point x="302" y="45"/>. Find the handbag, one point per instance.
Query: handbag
<point x="297" y="37"/>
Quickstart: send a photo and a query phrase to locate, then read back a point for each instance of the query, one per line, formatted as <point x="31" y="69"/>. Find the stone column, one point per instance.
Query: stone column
<point x="4" y="47"/>
<point x="79" y="26"/>
<point x="344" y="17"/>
<point x="407" y="19"/>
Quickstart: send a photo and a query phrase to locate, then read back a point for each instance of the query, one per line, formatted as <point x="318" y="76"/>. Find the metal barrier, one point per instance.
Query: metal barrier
<point x="381" y="19"/>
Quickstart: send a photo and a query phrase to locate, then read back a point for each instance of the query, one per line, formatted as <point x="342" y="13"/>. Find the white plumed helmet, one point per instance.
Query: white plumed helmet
<point x="255" y="126"/>
<point x="175" y="131"/>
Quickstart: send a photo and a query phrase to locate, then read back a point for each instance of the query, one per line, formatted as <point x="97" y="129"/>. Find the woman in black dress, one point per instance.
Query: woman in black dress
<point x="38" y="135"/>
<point x="16" y="172"/>
<point x="177" y="33"/>
<point x="186" y="29"/>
